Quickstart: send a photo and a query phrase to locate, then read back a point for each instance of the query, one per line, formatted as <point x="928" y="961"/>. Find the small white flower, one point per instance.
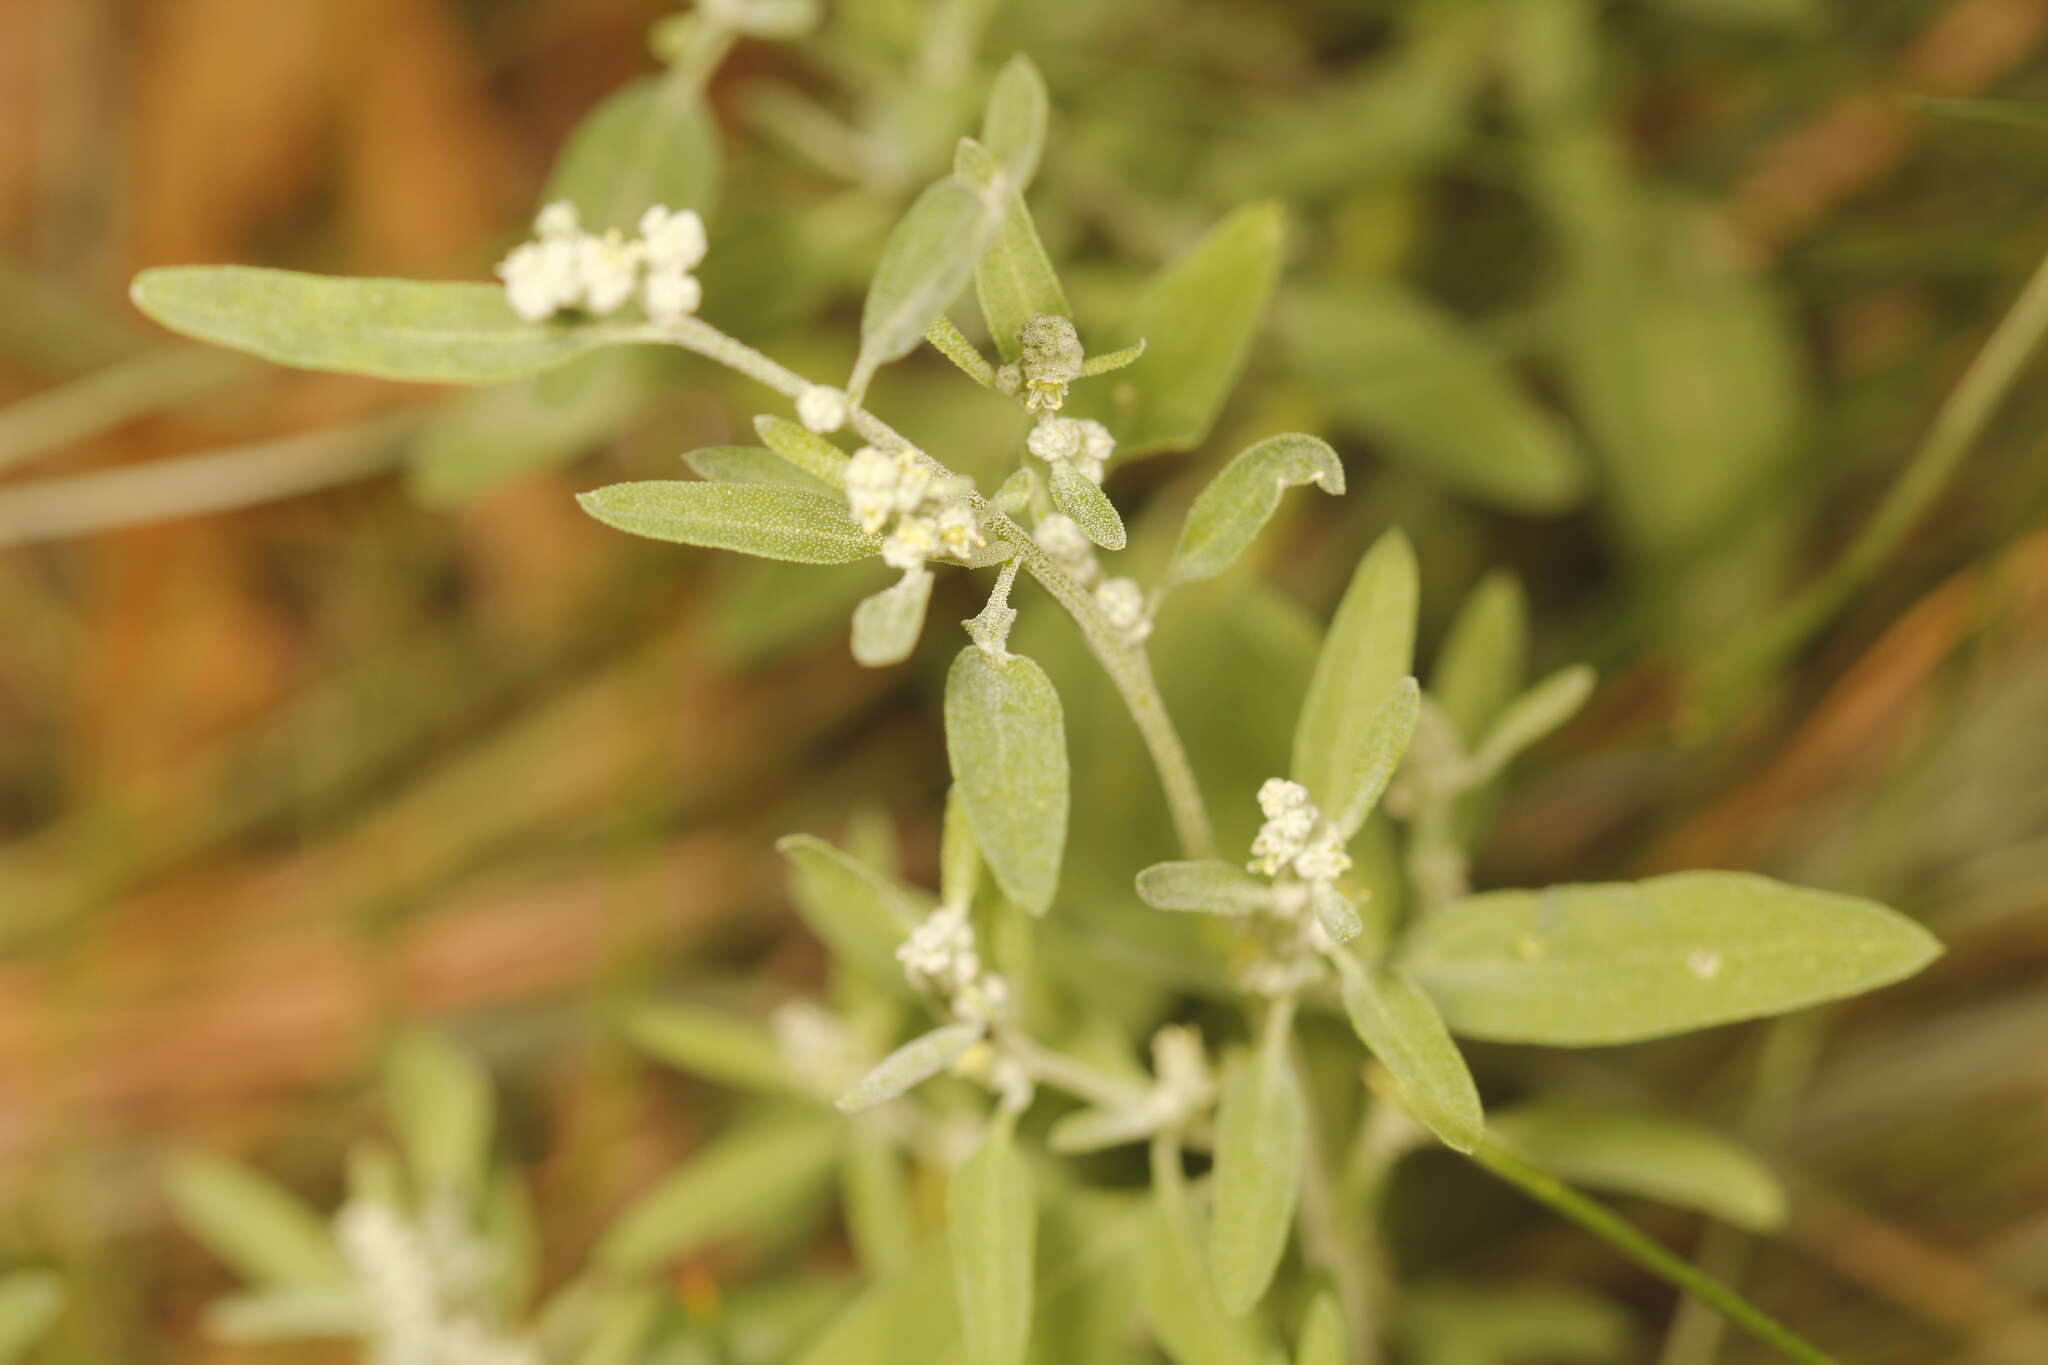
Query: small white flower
<point x="913" y="481"/>
<point x="959" y="531"/>
<point x="1324" y="859"/>
<point x="1054" y="438"/>
<point x="1060" y="536"/>
<point x="1096" y="442"/>
<point x="557" y="220"/>
<point x="1123" y="603"/>
<point x="915" y="540"/>
<point x="541" y="279"/>
<point x="821" y="408"/>
<point x="939" y="957"/>
<point x="871" y="488"/>
<point x="670" y="295"/>
<point x="1290" y="819"/>
<point x="609" y="269"/>
<point x="674" y="238"/>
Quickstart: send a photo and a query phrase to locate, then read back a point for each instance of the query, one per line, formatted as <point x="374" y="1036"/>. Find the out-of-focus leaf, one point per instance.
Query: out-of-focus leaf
<point x="1081" y="498"/>
<point x="710" y="1043"/>
<point x="992" y="1226"/>
<point x="1533" y="715"/>
<point x="254" y="1224"/>
<point x="1370" y="647"/>
<point x="1391" y="366"/>
<point x="1228" y="513"/>
<point x="1643" y="1154"/>
<point x="1335" y="912"/>
<point x="886" y="625"/>
<point x="1405" y="1032"/>
<point x="1213" y="886"/>
<point x="959" y="855"/>
<point x="392" y="329"/>
<point x="285" y="1315"/>
<point x="925" y="264"/>
<point x="1483" y="657"/>
<point x="1013" y="125"/>
<point x="1007" y="743"/>
<point x="1509" y="1324"/>
<point x="30" y="1301"/>
<point x="484" y="439"/>
<point x="1180" y="1299"/>
<point x="1575" y="966"/>
<point x="1322" y="1334"/>
<point x="916" y="1062"/>
<point x="1260" y="1137"/>
<point x="745" y="1182"/>
<point x="805" y="449"/>
<point x="1378" y="753"/>
<point x="651" y="143"/>
<point x="1198" y="316"/>
<point x="861" y="915"/>
<point x="755" y="519"/>
<point x="626" y="1321"/>
<point x="755" y="465"/>
<point x="442" y="1107"/>
<point x="880" y="1220"/>
<point x="909" y="1316"/>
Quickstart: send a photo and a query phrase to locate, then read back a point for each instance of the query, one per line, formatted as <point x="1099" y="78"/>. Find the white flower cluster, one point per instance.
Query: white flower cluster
<point x="822" y="408"/>
<point x="1121" y="599"/>
<point x="932" y="518"/>
<point x="1079" y="441"/>
<point x="566" y="267"/>
<point x="940" y="958"/>
<point x="1295" y="836"/>
<point x="417" y="1283"/>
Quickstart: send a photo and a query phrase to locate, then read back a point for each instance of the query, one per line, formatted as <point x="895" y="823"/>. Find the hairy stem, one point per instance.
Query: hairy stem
<point x="1128" y="666"/>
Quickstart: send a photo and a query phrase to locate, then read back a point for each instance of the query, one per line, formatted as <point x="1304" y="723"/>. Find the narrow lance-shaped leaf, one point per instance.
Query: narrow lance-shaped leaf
<point x="887" y="624"/>
<point x="1239" y="501"/>
<point x="1378" y="753"/>
<point x="1533" y="715"/>
<point x="880" y="1219"/>
<point x="1260" y="1132"/>
<point x="285" y="1315"/>
<point x="1338" y="917"/>
<point x="442" y="1106"/>
<point x="747" y="1181"/>
<point x="651" y="143"/>
<point x="1214" y="886"/>
<point x="1199" y="314"/>
<point x="1644" y="1154"/>
<point x="753" y="464"/>
<point x="30" y="1301"/>
<point x="1013" y="125"/>
<point x="754" y="519"/>
<point x="925" y="264"/>
<point x="1370" y="648"/>
<point x="860" y="914"/>
<point x="1178" y="1294"/>
<point x="1007" y="742"/>
<point x="916" y="1062"/>
<point x="1575" y="966"/>
<point x="959" y="855"/>
<point x="1014" y="279"/>
<point x="1404" y="1031"/>
<point x="1481" y="662"/>
<point x="1322" y="1334"/>
<point x="804" y="448"/>
<point x="254" y="1224"/>
<point x="711" y="1043"/>
<point x="992" y="1226"/>
<point x="1081" y="498"/>
<point x="392" y="329"/>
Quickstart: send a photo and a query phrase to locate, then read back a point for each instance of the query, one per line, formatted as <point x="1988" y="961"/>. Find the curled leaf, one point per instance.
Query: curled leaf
<point x="1229" y="512"/>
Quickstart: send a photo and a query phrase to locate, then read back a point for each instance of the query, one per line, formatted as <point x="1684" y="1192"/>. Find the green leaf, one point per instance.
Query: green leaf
<point x="861" y="915"/>
<point x="254" y="1224"/>
<point x="1013" y="125"/>
<point x="1510" y="1324"/>
<point x="1007" y="743"/>
<point x="925" y="264"/>
<point x="392" y="329"/>
<point x="1378" y="753"/>
<point x="1484" y="654"/>
<point x="1239" y="501"/>
<point x="905" y="1317"/>
<point x="1015" y="281"/>
<point x="1199" y="315"/>
<point x="992" y="1226"/>
<point x="30" y="1301"/>
<point x="1533" y="715"/>
<point x="1396" y="369"/>
<point x="1643" y="1154"/>
<point x="491" y="436"/>
<point x="442" y="1107"/>
<point x="1407" y="1035"/>
<point x="881" y="1221"/>
<point x="651" y="143"/>
<point x="744" y="1182"/>
<point x="1260" y="1134"/>
<point x="1322" y="1334"/>
<point x="1081" y="498"/>
<point x="959" y="855"/>
<point x="1575" y="966"/>
<point x="286" y="1315"/>
<point x="1370" y="647"/>
<point x="1213" y="886"/>
<point x="712" y="1044"/>
<point x="916" y="1062"/>
<point x="1338" y="917"/>
<point x="805" y="449"/>
<point x="886" y="625"/>
<point x="754" y="465"/>
<point x="755" y="519"/>
<point x="1179" y="1297"/>
<point x="1093" y="1130"/>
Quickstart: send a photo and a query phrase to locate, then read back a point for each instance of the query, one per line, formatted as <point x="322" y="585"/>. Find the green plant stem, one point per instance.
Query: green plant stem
<point x="1961" y="420"/>
<point x="1128" y="666"/>
<point x="1597" y="1219"/>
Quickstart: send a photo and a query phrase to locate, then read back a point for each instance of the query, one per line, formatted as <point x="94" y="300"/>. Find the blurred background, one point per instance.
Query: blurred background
<point x="323" y="710"/>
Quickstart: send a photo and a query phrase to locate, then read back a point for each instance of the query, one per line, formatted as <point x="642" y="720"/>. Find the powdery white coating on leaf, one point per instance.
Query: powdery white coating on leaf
<point x="755" y="519"/>
<point x="1613" y="963"/>
<point x="1647" y="1155"/>
<point x="1229" y="513"/>
<point x="1006" y="738"/>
